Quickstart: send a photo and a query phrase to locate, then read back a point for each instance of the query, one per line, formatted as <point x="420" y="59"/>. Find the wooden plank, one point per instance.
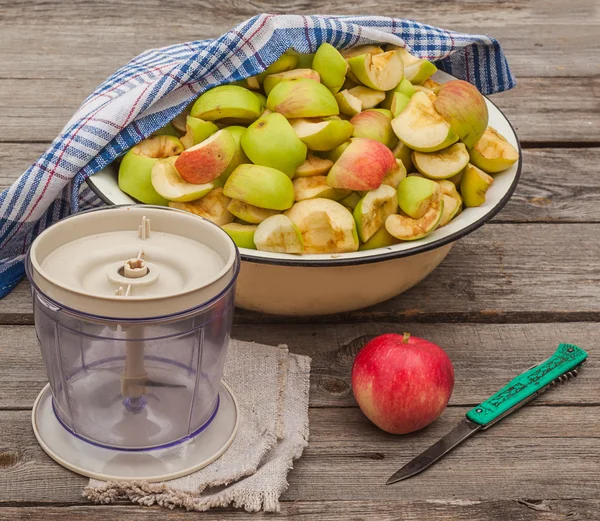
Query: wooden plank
<point x="446" y="510"/>
<point x="539" y="453"/>
<point x="553" y="178"/>
<point x="485" y="357"/>
<point x="500" y="273"/>
<point x="574" y="102"/>
<point x="540" y="38"/>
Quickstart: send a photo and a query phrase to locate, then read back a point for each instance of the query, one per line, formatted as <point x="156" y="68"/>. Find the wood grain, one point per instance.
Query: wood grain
<point x="565" y="110"/>
<point x="485" y="357"/>
<point x="394" y="510"/>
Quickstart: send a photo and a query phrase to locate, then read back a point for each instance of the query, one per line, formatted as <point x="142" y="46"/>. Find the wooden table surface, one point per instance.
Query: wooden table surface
<point x="503" y="299"/>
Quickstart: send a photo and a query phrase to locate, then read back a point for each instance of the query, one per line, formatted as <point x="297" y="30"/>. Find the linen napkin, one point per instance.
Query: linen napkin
<point x="271" y="386"/>
<point x="154" y="87"/>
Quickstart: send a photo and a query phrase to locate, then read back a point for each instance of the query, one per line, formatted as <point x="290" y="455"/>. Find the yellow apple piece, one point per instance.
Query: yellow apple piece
<point x="444" y="164"/>
<point x="373" y="209"/>
<point x="331" y="66"/>
<point x="227" y="102"/>
<point x="322" y="134"/>
<point x="326" y="226"/>
<point x="395" y="176"/>
<point x="249" y="213"/>
<point x="380" y="239"/>
<point x="294" y="74"/>
<point x="421" y="128"/>
<point x="286" y="62"/>
<point x="278" y="234"/>
<point x="170" y="185"/>
<point x="382" y="71"/>
<point x="316" y="186"/>
<point x="302" y="98"/>
<point x="404" y="154"/>
<point x="406" y="228"/>
<point x="361" y="49"/>
<point x="474" y="185"/>
<point x="135" y="170"/>
<point x="213" y="206"/>
<point x="349" y="105"/>
<point x="370" y="98"/>
<point x="452" y="201"/>
<point x="493" y="153"/>
<point x="314" y="165"/>
<point x="242" y="234"/>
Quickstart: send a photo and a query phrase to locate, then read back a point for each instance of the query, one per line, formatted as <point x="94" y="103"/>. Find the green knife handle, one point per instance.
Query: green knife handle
<point x="566" y="358"/>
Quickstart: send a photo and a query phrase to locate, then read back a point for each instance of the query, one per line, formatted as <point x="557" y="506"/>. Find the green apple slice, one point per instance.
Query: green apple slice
<point x="404" y="154"/>
<point x="443" y="164"/>
<point x="286" y="62"/>
<point x="274" y="79"/>
<point x="421" y="128"/>
<point x="382" y="71"/>
<point x="419" y="72"/>
<point x="474" y="185"/>
<point x="394" y="178"/>
<point x="213" y="206"/>
<point x="242" y="234"/>
<point x="351" y="201"/>
<point x="416" y="194"/>
<point x="405" y="87"/>
<point x="380" y="239"/>
<point x="322" y="134"/>
<point x="331" y="66"/>
<point x="399" y="103"/>
<point x="369" y="97"/>
<point x="349" y="105"/>
<point x="452" y="201"/>
<point x="135" y="170"/>
<point x="314" y="165"/>
<point x="492" y="153"/>
<point x="167" y="130"/>
<point x="271" y="141"/>
<point x="197" y="130"/>
<point x="278" y="234"/>
<point x="260" y="186"/>
<point x="305" y="61"/>
<point x="227" y="101"/>
<point x="373" y="209"/>
<point x="249" y="213"/>
<point x="316" y="186"/>
<point x="408" y="229"/>
<point x="336" y="153"/>
<point x="302" y="98"/>
<point x="375" y="124"/>
<point x="326" y="226"/>
<point x="169" y="184"/>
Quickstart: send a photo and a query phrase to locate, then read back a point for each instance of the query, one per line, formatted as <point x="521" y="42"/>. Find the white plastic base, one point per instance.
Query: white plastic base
<point x="150" y="465"/>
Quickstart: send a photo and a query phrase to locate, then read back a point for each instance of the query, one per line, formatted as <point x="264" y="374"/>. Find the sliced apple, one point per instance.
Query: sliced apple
<point x="430" y="84"/>
<point x="474" y="185"/>
<point x="286" y="62"/>
<point x="375" y="124"/>
<point x="336" y="153"/>
<point x="170" y="185"/>
<point x="404" y="154"/>
<point x="322" y="134"/>
<point x="316" y="186"/>
<point x="493" y="153"/>
<point x="135" y="170"/>
<point x="421" y="128"/>
<point x="464" y="108"/>
<point x="399" y="103"/>
<point x="443" y="164"/>
<point x="452" y="201"/>
<point x="408" y="229"/>
<point x="167" y="130"/>
<point x="239" y="157"/>
<point x="351" y="201"/>
<point x="242" y="234"/>
<point x="349" y="105"/>
<point x="294" y="74"/>
<point x="326" y="226"/>
<point x="249" y="213"/>
<point x="278" y="234"/>
<point x="395" y="176"/>
<point x="405" y="87"/>
<point x="373" y="209"/>
<point x="227" y="101"/>
<point x="416" y="70"/>
<point x="361" y="49"/>
<point x="213" y="206"/>
<point x="331" y="66"/>
<point x="302" y="98"/>
<point x="260" y="186"/>
<point x="207" y="160"/>
<point x="362" y="165"/>
<point x="382" y="71"/>
<point x="380" y="239"/>
<point x="369" y="97"/>
<point x="416" y="194"/>
<point x="197" y="130"/>
<point x="305" y="61"/>
<point x="271" y="141"/>
<point x="314" y="165"/>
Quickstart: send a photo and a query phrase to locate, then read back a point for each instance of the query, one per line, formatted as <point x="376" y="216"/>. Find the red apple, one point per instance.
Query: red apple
<point x="402" y="383"/>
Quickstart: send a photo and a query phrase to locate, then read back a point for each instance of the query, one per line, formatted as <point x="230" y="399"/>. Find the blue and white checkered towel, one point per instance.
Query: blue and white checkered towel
<point x="153" y="88"/>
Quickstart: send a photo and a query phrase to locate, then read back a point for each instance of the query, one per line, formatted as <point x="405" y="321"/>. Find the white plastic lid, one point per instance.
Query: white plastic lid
<point x="133" y="262"/>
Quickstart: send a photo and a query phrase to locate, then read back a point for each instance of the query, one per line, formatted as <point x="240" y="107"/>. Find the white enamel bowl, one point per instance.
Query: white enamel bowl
<point x="285" y="284"/>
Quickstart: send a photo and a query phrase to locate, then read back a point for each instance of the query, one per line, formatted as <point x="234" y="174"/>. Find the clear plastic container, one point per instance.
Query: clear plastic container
<point x="133" y="383"/>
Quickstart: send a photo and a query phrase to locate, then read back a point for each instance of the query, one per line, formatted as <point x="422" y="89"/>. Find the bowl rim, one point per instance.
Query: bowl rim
<point x="385" y="255"/>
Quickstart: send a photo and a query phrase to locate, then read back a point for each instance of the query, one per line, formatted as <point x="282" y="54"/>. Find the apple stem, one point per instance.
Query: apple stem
<point x="405" y="338"/>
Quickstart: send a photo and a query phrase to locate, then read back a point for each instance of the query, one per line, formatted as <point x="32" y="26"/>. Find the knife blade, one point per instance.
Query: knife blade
<point x="558" y="368"/>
